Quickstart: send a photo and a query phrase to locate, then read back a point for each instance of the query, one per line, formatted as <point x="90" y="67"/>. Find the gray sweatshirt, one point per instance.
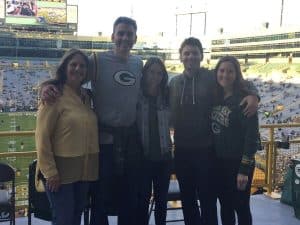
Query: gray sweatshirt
<point x="115" y="90"/>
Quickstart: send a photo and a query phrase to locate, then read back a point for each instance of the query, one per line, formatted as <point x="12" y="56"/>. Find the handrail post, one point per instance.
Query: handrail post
<point x="267" y="147"/>
<point x="270" y="162"/>
<point x="274" y="166"/>
<point x="269" y="169"/>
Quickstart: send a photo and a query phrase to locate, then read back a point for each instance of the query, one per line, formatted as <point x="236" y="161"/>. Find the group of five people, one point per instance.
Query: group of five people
<point x="213" y="114"/>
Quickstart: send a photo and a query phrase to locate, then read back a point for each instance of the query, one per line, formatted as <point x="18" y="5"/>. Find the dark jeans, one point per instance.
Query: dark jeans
<point x="68" y="203"/>
<point x="114" y="191"/>
<point x="196" y="176"/>
<point x="98" y="198"/>
<point x="231" y="199"/>
<point x="158" y="174"/>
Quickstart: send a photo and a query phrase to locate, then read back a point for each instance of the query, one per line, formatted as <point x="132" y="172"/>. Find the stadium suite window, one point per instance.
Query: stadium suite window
<point x="35" y="43"/>
<point x="76" y="44"/>
<point x="258" y="47"/>
<point x="218" y="42"/>
<point x="265" y="38"/>
<point x="7" y="42"/>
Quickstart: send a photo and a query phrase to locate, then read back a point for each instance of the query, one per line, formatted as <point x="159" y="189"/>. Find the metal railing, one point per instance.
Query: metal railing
<point x="266" y="164"/>
<point x="271" y="154"/>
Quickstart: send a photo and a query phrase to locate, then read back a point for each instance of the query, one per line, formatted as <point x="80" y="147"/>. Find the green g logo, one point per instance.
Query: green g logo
<point x="124" y="78"/>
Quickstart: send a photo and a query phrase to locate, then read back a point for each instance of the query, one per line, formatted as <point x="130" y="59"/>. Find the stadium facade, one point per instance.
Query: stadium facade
<point x="47" y="45"/>
<point x="48" y="28"/>
<point x="265" y="45"/>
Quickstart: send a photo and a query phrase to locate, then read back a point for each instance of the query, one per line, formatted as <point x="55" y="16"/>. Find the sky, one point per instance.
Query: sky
<point x="156" y="16"/>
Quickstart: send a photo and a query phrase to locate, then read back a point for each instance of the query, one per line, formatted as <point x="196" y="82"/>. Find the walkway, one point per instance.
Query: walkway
<point x="265" y="211"/>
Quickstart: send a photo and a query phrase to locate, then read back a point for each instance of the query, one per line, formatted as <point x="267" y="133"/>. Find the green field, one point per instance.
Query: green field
<point x="24" y="121"/>
<point x="17" y="122"/>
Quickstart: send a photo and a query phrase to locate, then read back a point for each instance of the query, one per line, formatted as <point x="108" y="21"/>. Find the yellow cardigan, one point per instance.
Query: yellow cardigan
<point x="67" y="138"/>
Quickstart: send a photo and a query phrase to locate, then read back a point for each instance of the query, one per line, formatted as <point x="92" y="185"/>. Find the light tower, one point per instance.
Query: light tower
<point x="281" y="12"/>
<point x="190" y="12"/>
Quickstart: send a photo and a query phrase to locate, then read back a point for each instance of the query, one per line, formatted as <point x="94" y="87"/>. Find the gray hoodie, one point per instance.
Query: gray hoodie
<point x="191" y="101"/>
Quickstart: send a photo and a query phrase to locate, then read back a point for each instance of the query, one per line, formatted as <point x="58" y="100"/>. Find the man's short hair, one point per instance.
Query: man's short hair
<point x="125" y="20"/>
<point x="192" y="42"/>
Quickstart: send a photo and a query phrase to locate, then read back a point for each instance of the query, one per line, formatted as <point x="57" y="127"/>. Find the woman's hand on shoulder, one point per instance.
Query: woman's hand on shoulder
<point x="53" y="183"/>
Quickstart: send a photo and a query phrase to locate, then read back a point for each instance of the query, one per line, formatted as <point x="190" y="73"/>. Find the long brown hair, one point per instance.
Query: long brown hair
<point x="163" y="84"/>
<point x="239" y="84"/>
<point x="61" y="72"/>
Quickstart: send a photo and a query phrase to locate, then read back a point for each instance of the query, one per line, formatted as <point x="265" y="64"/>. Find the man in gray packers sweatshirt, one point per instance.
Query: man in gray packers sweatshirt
<point x="115" y="89"/>
<point x="115" y="78"/>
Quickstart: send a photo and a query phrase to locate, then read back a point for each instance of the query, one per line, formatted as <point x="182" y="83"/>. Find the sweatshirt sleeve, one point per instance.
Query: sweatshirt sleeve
<point x="252" y="90"/>
<point x="92" y="67"/>
<point x="45" y="125"/>
<point x="250" y="144"/>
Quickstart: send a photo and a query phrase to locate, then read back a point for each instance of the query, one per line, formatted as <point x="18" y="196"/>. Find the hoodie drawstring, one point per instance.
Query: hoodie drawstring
<point x="193" y="90"/>
<point x="183" y="90"/>
<point x="182" y="93"/>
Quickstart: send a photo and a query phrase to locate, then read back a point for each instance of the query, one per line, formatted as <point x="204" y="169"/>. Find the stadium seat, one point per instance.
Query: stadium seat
<point x="7" y="200"/>
<point x="38" y="203"/>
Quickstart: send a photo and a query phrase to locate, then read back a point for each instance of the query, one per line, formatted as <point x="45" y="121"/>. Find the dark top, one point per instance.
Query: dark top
<point x="154" y="143"/>
<point x="191" y="101"/>
<point x="235" y="136"/>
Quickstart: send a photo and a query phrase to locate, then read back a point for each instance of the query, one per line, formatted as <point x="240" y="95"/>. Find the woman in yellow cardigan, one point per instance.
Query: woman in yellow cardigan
<point x="67" y="141"/>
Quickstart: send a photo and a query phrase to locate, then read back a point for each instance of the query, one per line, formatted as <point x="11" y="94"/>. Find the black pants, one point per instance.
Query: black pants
<point x="195" y="173"/>
<point x="231" y="199"/>
<point x="113" y="194"/>
<point x="158" y="174"/>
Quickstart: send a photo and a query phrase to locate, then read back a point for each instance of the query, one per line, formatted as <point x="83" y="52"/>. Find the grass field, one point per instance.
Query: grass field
<point x="24" y="121"/>
<point x="17" y="122"/>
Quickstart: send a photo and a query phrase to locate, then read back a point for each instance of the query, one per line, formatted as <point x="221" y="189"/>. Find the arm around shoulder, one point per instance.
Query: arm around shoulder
<point x="251" y="101"/>
<point x="92" y="67"/>
<point x="250" y="145"/>
<point x="252" y="90"/>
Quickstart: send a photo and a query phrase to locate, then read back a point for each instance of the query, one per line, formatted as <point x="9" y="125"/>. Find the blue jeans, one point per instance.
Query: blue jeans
<point x="68" y="203"/>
